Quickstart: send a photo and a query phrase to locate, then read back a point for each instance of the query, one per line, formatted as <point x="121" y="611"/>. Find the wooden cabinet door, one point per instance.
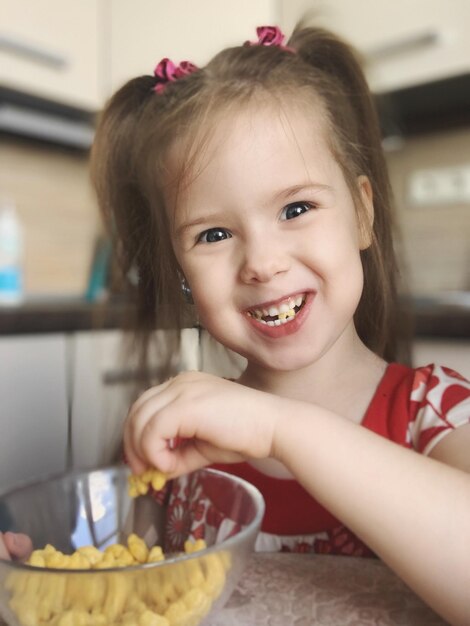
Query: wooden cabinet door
<point x="34" y="408"/>
<point x="52" y="49"/>
<point x="404" y="42"/>
<point x="106" y="380"/>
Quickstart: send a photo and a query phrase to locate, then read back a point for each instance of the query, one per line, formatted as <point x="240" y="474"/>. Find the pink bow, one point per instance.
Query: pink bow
<point x="166" y="71"/>
<point x="269" y="36"/>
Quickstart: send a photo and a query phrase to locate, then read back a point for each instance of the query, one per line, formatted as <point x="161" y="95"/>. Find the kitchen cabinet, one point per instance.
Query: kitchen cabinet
<point x="52" y="49"/>
<point x="79" y="53"/>
<point x="403" y="42"/>
<point x="75" y="387"/>
<point x="34" y="392"/>
<point x="217" y="359"/>
<point x="105" y="382"/>
<point x="143" y="32"/>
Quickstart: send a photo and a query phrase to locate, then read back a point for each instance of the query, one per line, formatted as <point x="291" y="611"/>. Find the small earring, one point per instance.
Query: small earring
<point x="186" y="289"/>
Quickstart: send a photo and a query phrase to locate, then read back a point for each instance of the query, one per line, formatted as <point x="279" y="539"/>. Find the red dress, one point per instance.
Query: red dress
<point x="414" y="408"/>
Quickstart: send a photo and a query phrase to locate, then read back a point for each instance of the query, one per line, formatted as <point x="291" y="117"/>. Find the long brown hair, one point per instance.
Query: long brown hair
<point x="139" y="127"/>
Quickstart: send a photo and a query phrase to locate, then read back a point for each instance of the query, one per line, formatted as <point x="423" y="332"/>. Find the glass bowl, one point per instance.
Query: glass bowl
<point x="93" y="508"/>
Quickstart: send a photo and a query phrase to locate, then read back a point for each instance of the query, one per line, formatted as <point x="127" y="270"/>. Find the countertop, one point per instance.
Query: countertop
<point x="300" y="589"/>
<point x="439" y="317"/>
<point x="303" y="590"/>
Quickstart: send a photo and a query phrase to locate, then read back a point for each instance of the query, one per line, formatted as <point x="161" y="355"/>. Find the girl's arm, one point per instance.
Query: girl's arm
<point x="414" y="512"/>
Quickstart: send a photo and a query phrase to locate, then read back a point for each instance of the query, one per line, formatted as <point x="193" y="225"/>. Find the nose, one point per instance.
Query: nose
<point x="263" y="259"/>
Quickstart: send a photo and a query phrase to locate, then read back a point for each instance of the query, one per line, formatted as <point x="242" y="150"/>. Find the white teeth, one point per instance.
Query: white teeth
<point x="284" y="312"/>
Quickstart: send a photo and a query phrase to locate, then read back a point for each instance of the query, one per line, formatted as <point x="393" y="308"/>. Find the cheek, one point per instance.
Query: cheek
<point x="205" y="281"/>
<point x="336" y="247"/>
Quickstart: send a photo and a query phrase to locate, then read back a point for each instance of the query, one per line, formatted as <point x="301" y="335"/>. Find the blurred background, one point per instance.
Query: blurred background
<point x="63" y="377"/>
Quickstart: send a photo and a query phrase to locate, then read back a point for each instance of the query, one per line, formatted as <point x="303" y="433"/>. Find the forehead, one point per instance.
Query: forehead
<point x="257" y="142"/>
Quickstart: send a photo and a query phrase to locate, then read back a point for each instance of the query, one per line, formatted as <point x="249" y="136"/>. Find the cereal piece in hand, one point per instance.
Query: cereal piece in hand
<point x="139" y="484"/>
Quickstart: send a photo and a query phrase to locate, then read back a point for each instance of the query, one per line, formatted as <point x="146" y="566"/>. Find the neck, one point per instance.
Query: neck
<point x="343" y="380"/>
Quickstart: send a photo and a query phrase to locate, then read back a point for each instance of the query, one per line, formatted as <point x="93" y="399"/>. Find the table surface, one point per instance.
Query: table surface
<point x="292" y="589"/>
<point x="304" y="590"/>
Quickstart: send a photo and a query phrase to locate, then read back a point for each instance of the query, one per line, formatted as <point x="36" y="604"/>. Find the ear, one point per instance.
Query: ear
<point x="366" y="212"/>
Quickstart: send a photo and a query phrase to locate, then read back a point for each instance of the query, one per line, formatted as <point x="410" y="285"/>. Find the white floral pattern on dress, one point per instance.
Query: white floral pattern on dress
<point x="442" y="403"/>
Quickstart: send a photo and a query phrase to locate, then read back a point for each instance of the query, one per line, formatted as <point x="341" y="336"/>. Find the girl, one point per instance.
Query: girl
<point x="259" y="181"/>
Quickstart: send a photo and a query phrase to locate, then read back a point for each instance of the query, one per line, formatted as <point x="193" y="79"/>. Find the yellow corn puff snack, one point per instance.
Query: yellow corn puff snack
<point x="56" y="560"/>
<point x="197" y="602"/>
<point x="177" y="596"/>
<point x="137" y="548"/>
<point x="139" y="484"/>
<point x="149" y="618"/>
<point x="116" y="555"/>
<point x="177" y="612"/>
<point x="155" y="554"/>
<point x="37" y="559"/>
<point x="194" y="546"/>
<point x="92" y="554"/>
<point x="158" y="480"/>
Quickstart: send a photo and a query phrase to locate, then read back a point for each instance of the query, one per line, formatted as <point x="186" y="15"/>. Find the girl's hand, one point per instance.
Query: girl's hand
<point x="15" y="545"/>
<point x="216" y="419"/>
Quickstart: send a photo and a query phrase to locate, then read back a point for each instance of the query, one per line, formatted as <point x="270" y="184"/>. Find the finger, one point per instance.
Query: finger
<point x="183" y="460"/>
<point x="191" y="456"/>
<point x="132" y="439"/>
<point x="147" y="412"/>
<point x="18" y="545"/>
<point x="136" y="464"/>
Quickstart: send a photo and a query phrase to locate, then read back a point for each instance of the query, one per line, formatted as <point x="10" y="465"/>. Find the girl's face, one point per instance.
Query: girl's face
<point x="267" y="236"/>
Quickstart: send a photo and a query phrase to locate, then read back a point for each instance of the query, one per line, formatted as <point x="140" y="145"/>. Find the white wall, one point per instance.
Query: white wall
<point x="144" y="31"/>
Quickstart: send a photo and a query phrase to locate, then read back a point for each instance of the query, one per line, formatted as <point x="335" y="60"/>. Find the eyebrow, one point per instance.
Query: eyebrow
<point x="283" y="194"/>
<point x="204" y="219"/>
<point x="295" y="189"/>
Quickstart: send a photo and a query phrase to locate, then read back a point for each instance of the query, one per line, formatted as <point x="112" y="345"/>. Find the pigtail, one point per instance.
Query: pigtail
<point x="357" y="144"/>
<point x="135" y="218"/>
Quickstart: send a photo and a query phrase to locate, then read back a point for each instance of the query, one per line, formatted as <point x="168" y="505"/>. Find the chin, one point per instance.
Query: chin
<point x="284" y="363"/>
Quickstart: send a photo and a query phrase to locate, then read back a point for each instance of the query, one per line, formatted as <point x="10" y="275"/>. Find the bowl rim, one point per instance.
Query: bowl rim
<point x="253" y="491"/>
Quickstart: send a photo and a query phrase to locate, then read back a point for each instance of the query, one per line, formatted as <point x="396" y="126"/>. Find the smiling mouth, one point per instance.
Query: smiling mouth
<point x="282" y="313"/>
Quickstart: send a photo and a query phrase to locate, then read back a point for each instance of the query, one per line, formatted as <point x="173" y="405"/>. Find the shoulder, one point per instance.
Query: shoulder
<point x="437" y="379"/>
<point x="416" y="407"/>
<point x="418" y="382"/>
<point x="440" y="403"/>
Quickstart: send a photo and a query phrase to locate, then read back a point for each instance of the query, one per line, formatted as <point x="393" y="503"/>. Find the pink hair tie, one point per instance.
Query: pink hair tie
<point x="166" y="72"/>
<point x="269" y="36"/>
